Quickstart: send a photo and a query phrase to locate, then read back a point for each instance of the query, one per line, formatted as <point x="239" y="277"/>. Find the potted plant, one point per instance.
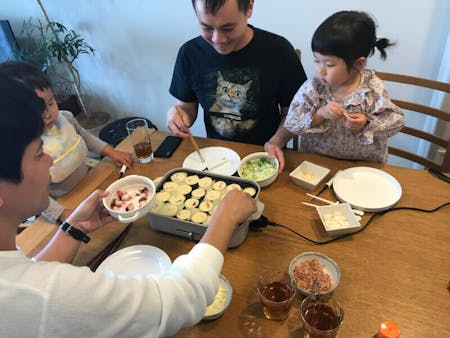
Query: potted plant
<point x="54" y="49"/>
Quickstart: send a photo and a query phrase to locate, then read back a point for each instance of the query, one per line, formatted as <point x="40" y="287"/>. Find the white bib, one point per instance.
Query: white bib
<point x="67" y="149"/>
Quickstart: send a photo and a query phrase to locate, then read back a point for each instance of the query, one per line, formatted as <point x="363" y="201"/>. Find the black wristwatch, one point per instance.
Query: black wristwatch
<point x="74" y="232"/>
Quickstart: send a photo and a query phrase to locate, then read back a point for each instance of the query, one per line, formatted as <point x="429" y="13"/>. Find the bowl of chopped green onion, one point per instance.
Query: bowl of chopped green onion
<point x="259" y="167"/>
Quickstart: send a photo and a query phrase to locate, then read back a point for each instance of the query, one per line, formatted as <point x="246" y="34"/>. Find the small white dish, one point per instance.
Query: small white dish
<point x="329" y="266"/>
<point x="123" y="183"/>
<point x="338" y="219"/>
<point x="221" y="301"/>
<point x="262" y="181"/>
<point x="213" y="156"/>
<point x="367" y="188"/>
<point x="135" y="261"/>
<point x="309" y="175"/>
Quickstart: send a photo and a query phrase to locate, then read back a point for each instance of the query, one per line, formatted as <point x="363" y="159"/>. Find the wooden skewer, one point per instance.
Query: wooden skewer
<point x="197" y="149"/>
<point x="321" y="199"/>
<point x="310" y="204"/>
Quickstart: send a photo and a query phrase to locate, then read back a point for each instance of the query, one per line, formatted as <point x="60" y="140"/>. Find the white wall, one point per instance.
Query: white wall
<point x="136" y="41"/>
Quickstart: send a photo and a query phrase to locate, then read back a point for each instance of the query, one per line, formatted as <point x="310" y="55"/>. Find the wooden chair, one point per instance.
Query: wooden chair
<point x="439" y="141"/>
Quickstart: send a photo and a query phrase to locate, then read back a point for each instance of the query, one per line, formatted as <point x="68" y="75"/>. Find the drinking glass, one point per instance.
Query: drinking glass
<point x="322" y="316"/>
<point x="140" y="139"/>
<point x="276" y="291"/>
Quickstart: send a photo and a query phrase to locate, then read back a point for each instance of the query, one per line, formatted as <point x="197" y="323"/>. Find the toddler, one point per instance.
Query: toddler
<point x="64" y="139"/>
<point x="345" y="110"/>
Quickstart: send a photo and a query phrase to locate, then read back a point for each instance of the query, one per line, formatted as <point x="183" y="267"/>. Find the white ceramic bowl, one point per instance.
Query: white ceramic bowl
<point x="338" y="219"/>
<point x="221" y="301"/>
<point x="309" y="175"/>
<point x="265" y="181"/>
<point x="130" y="216"/>
<point x="329" y="266"/>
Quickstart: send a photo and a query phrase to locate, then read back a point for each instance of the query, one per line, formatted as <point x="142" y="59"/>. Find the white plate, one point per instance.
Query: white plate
<point x="367" y="189"/>
<point x="134" y="261"/>
<point x="214" y="156"/>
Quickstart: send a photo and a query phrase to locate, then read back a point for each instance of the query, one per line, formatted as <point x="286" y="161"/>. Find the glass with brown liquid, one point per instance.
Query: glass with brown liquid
<point x="321" y="316"/>
<point x="276" y="291"/>
<point x="140" y="139"/>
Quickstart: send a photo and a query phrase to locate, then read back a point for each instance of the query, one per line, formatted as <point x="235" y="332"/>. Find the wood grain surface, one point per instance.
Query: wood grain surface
<point x="396" y="269"/>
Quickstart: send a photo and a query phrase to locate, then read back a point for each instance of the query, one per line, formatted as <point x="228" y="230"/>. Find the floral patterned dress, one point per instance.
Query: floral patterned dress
<point x="331" y="138"/>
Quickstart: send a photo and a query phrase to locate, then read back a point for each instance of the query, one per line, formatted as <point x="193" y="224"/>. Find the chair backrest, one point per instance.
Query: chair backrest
<point x="114" y="132"/>
<point x="441" y="114"/>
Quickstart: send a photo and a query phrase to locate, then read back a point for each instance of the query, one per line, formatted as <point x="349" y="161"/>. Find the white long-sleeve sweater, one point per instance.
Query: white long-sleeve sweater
<point x="50" y="299"/>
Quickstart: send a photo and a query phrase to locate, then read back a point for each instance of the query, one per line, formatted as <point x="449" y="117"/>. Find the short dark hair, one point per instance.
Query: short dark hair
<point x="212" y="6"/>
<point x="30" y="75"/>
<point x="20" y="123"/>
<point x="348" y="35"/>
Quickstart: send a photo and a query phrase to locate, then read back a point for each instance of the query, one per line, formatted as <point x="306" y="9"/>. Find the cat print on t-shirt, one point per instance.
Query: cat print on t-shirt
<point x="229" y="113"/>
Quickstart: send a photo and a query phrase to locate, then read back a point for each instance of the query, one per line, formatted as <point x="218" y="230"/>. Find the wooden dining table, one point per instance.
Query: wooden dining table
<point x="397" y="268"/>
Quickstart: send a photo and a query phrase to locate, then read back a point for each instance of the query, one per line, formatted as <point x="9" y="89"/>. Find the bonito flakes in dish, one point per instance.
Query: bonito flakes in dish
<point x="307" y="271"/>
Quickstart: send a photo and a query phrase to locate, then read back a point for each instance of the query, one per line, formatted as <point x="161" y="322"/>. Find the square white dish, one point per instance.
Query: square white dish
<point x="309" y="175"/>
<point x="338" y="219"/>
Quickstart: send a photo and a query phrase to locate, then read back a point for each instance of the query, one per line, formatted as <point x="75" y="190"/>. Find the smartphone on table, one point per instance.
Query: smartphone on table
<point x="168" y="146"/>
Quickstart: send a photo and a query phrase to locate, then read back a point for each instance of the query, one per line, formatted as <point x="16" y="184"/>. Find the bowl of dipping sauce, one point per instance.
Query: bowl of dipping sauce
<point x="259" y="167"/>
<point x="314" y="266"/>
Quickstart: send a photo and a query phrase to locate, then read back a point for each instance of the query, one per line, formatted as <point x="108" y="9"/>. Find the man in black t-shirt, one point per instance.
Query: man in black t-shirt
<point x="243" y="77"/>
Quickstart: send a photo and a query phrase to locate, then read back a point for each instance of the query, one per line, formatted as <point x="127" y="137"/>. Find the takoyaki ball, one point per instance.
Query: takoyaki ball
<point x="205" y="182"/>
<point x="191" y="203"/>
<point x="191" y="180"/>
<point x="170" y="186"/>
<point x="184" y="189"/>
<point x="184" y="214"/>
<point x="178" y="177"/>
<point x="251" y="191"/>
<point x="198" y="193"/>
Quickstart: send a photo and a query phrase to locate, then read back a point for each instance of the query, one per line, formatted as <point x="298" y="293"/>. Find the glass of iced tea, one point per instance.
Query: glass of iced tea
<point x="321" y="316"/>
<point x="140" y="139"/>
<point x="276" y="290"/>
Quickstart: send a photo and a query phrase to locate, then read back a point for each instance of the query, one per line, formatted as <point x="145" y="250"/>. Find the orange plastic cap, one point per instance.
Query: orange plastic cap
<point x="388" y="329"/>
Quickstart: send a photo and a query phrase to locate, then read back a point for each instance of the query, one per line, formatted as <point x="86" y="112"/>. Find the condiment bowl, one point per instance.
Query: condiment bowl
<point x="259" y="167"/>
<point x="338" y="219"/>
<point x="328" y="265"/>
<point x="309" y="175"/>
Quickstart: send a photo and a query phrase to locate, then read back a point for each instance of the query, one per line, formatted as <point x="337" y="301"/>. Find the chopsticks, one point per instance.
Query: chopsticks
<point x="321" y="199"/>
<point x="355" y="211"/>
<point x="197" y="149"/>
<point x="109" y="249"/>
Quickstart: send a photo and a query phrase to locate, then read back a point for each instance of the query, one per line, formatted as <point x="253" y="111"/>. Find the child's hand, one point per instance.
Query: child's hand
<point x="118" y="157"/>
<point x="332" y="111"/>
<point x="275" y="151"/>
<point x="355" y="121"/>
<point x="121" y="158"/>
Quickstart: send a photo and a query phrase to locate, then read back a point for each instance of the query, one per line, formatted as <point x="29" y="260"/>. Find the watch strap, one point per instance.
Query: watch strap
<point x="75" y="233"/>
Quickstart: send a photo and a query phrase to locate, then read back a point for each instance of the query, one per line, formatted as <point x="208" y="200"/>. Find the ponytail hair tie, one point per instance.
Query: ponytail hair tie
<point x="382" y="44"/>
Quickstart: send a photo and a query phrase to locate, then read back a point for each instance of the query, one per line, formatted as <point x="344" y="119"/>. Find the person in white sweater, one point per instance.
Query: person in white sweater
<point x="65" y="140"/>
<point x="47" y="297"/>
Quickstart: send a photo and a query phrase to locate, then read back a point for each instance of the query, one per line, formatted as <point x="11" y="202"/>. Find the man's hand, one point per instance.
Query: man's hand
<point x="237" y="206"/>
<point x="178" y="121"/>
<point x="90" y="215"/>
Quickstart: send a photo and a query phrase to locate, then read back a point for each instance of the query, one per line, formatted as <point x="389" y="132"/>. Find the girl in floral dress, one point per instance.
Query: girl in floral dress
<point x="345" y="110"/>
